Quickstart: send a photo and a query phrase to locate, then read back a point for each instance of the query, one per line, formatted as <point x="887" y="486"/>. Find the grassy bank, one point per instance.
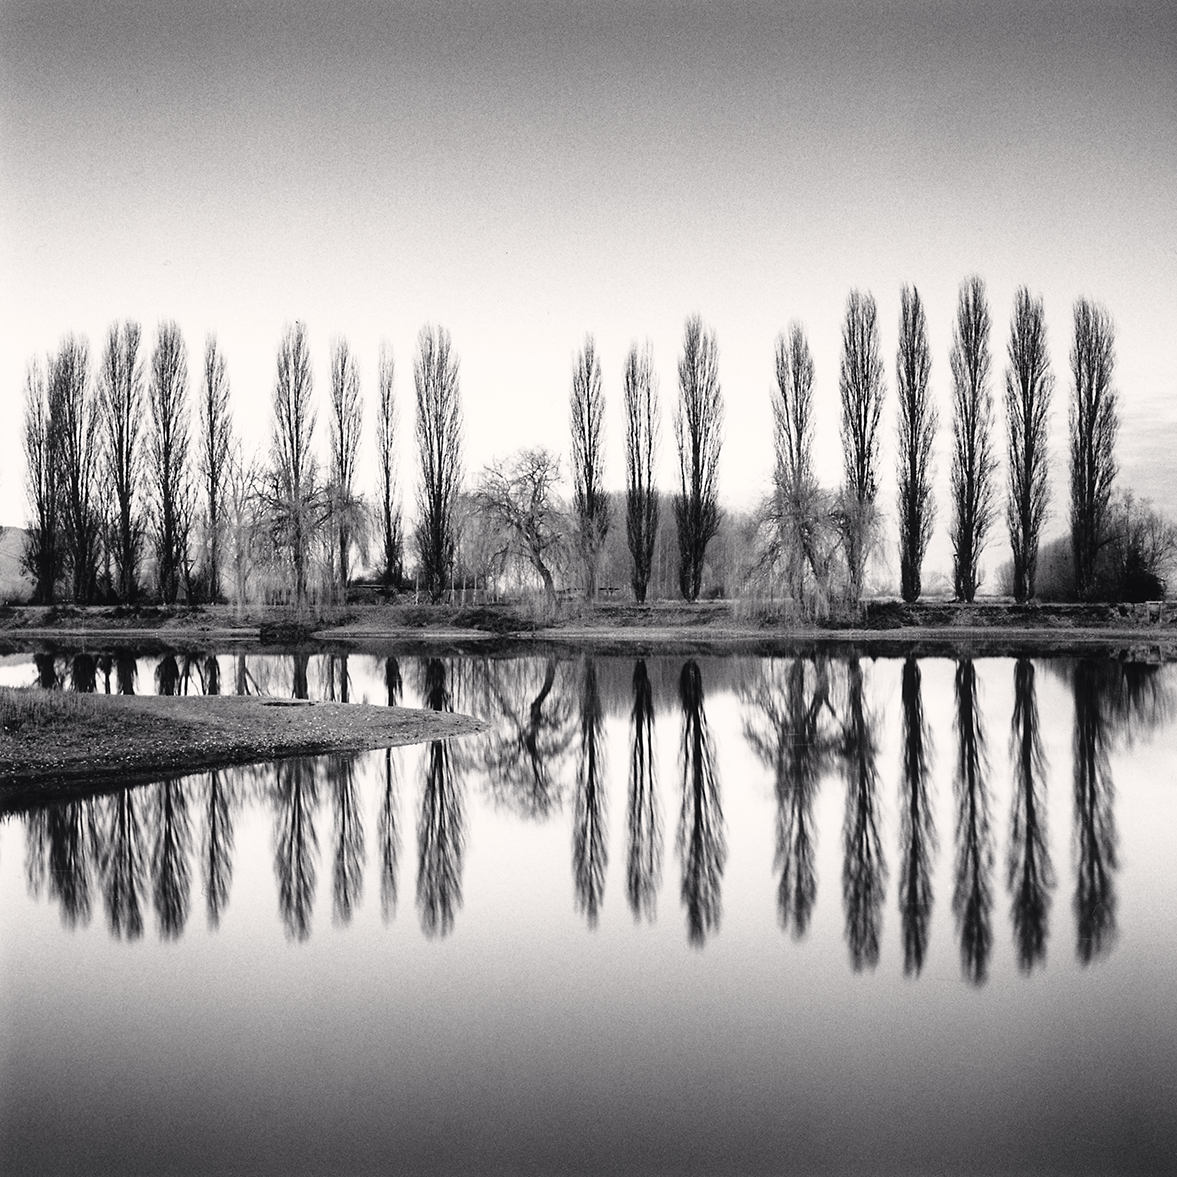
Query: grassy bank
<point x="65" y="738"/>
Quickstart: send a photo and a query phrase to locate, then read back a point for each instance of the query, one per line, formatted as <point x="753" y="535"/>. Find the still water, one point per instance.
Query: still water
<point x="666" y="915"/>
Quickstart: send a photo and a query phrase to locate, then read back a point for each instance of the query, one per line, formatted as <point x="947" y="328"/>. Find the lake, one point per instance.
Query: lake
<point x="665" y="915"/>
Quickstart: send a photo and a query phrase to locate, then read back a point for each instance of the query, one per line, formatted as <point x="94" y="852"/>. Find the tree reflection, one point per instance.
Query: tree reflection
<point x="531" y="730"/>
<point x="121" y="862"/>
<point x="299" y="686"/>
<point x="61" y="844"/>
<point x="701" y="843"/>
<point x="171" y="852"/>
<point x="126" y="670"/>
<point x="787" y="733"/>
<point x="1031" y="876"/>
<point x="388" y="835"/>
<point x="864" y="872"/>
<point x="1098" y="690"/>
<point x="167" y="675"/>
<point x="216" y="844"/>
<point x="337" y="688"/>
<point x="83" y="674"/>
<point x="643" y="818"/>
<point x="972" y="899"/>
<point x="393" y="683"/>
<point x="917" y="828"/>
<point x="296" y="845"/>
<point x="210" y="675"/>
<point x="48" y="678"/>
<point x="590" y="852"/>
<point x="348" y="869"/>
<point x="439" y="827"/>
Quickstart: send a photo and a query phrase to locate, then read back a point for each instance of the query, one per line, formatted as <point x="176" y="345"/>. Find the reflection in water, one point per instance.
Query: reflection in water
<point x="167" y="675"/>
<point x="47" y="676"/>
<point x="121" y="862"/>
<point x="348" y="871"/>
<point x="216" y="845"/>
<point x="1031" y="877"/>
<point x="393" y="683"/>
<point x="439" y="828"/>
<point x="126" y="669"/>
<point x="1095" y="689"/>
<point x="83" y="674"/>
<point x="917" y="828"/>
<point x="299" y="686"/>
<point x="296" y="798"/>
<point x="972" y="899"/>
<point x="388" y="835"/>
<point x="701" y="843"/>
<point x="61" y="841"/>
<point x="171" y="857"/>
<point x="864" y="872"/>
<point x="590" y="853"/>
<point x="792" y="741"/>
<point x="210" y="675"/>
<point x="337" y="688"/>
<point x="643" y="817"/>
<point x="531" y="729"/>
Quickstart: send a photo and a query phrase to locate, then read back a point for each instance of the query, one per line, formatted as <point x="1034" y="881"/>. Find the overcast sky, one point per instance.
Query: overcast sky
<point x="524" y="174"/>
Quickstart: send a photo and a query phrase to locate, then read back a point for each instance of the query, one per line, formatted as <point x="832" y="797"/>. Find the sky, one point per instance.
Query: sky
<point x="525" y="174"/>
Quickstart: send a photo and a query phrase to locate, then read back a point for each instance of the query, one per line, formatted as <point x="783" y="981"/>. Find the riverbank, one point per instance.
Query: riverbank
<point x="62" y="739"/>
<point x="992" y="626"/>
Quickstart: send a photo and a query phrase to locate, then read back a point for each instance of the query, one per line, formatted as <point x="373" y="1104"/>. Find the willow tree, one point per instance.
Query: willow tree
<point x="973" y="464"/>
<point x="1028" y="385"/>
<point x="642" y="426"/>
<point x="439" y="451"/>
<point x="170" y="478"/>
<point x="1094" y="424"/>
<point x="698" y="432"/>
<point x="120" y="387"/>
<point x="216" y="435"/>
<point x="586" y="412"/>
<point x="862" y="391"/>
<point x="916" y="436"/>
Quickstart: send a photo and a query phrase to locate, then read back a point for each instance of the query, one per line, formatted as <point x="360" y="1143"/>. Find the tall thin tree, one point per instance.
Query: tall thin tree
<point x="643" y="424"/>
<point x="698" y="432"/>
<point x="391" y="531"/>
<point x="1094" y="424"/>
<point x="916" y="436"/>
<point x="861" y="386"/>
<point x="586" y="413"/>
<point x="77" y="407"/>
<point x="216" y="440"/>
<point x="120" y="383"/>
<point x="439" y="450"/>
<point x="294" y="494"/>
<point x="1028" y="387"/>
<point x="170" y="485"/>
<point x="973" y="464"/>
<point x="42" y="557"/>
<point x="347" y="418"/>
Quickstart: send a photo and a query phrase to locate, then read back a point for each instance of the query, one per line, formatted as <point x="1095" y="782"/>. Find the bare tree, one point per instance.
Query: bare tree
<point x="1028" y="387"/>
<point x="799" y="509"/>
<point x="916" y="435"/>
<point x="520" y="498"/>
<point x="391" y="533"/>
<point x="295" y="502"/>
<point x="242" y="502"/>
<point x="1094" y="423"/>
<point x="698" y="433"/>
<point x="120" y="384"/>
<point x="439" y="449"/>
<point x="170" y="486"/>
<point x="861" y="386"/>
<point x="643" y="423"/>
<point x="347" y="418"/>
<point x="973" y="464"/>
<point x="216" y="435"/>
<point x="587" y="421"/>
<point x="76" y="408"/>
<point x="42" y="557"/>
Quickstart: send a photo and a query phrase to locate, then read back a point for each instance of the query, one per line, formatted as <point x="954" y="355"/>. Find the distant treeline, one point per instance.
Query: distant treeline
<point x="138" y="486"/>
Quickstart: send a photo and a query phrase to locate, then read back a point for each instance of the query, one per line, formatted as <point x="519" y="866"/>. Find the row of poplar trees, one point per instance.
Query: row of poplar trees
<point x="117" y="470"/>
